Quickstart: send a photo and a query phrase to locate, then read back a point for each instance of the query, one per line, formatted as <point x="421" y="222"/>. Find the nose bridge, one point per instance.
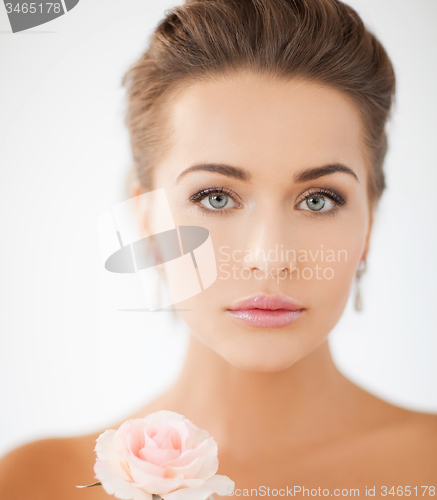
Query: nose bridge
<point x="267" y="239"/>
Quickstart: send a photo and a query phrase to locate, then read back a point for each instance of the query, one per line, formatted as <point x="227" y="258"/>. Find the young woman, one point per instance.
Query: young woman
<point x="264" y="122"/>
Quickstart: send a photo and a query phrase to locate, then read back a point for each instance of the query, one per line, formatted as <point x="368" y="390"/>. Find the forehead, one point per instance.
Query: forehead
<point x="258" y="120"/>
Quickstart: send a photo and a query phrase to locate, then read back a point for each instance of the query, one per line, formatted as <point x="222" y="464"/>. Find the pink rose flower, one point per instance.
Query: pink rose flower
<point x="162" y="454"/>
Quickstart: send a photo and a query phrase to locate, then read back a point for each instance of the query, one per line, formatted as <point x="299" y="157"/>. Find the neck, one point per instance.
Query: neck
<point x="301" y="404"/>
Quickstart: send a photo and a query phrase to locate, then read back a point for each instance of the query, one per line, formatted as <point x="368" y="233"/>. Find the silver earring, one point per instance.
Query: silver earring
<point x="358" y="299"/>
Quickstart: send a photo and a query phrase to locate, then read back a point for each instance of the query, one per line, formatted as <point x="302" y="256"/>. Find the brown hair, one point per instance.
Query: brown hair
<point x="320" y="40"/>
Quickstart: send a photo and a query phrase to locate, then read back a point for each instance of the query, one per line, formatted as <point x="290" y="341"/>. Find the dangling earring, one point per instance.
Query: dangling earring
<point x="358" y="299"/>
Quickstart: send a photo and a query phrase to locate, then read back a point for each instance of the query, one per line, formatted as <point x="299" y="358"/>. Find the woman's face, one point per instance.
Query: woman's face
<point x="292" y="194"/>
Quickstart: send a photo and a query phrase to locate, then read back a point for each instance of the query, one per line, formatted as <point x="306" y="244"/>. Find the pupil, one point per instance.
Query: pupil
<point x="316" y="202"/>
<point x="218" y="200"/>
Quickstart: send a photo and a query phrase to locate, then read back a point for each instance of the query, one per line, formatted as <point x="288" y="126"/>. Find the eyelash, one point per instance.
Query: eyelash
<point x="200" y="195"/>
<point x="334" y="196"/>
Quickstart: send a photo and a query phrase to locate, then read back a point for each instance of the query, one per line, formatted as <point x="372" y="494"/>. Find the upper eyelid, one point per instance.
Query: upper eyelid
<point x="216" y="189"/>
<point x="322" y="192"/>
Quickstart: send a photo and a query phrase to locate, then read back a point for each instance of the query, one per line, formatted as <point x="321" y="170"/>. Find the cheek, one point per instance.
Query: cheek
<point x="326" y="269"/>
<point x="330" y="257"/>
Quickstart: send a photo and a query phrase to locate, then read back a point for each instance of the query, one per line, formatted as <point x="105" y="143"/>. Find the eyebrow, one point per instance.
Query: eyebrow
<point x="309" y="174"/>
<point x="219" y="168"/>
<point x="314" y="173"/>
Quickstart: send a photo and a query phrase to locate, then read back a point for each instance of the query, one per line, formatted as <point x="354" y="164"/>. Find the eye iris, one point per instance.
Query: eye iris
<point x="218" y="200"/>
<point x="316" y="202"/>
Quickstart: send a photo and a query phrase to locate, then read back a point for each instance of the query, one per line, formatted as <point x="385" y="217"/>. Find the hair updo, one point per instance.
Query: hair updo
<point x="320" y="40"/>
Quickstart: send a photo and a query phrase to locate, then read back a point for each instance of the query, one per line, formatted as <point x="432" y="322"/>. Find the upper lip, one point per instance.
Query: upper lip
<point x="271" y="302"/>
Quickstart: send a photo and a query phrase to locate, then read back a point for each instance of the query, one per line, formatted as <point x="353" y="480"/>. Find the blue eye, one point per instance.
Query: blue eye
<point x="318" y="203"/>
<point x="321" y="200"/>
<point x="216" y="200"/>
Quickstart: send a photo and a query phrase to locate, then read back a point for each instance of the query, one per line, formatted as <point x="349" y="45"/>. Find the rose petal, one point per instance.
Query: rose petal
<point x="142" y="471"/>
<point x="184" y="432"/>
<point x="141" y="495"/>
<point x="161" y="485"/>
<point x="208" y="447"/>
<point x="199" y="436"/>
<point x="135" y="440"/>
<point x="185" y="458"/>
<point x="209" y="468"/>
<point x="109" y="449"/>
<point x="149" y="441"/>
<point x="159" y="456"/>
<point x="222" y="485"/>
<point x="112" y="482"/>
<point x="171" y="440"/>
<point x="190" y="470"/>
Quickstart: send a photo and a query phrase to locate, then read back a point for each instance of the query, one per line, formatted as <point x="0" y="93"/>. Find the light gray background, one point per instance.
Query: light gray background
<point x="69" y="361"/>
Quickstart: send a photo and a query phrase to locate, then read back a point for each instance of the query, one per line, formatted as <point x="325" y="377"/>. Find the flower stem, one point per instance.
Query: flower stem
<point x="89" y="485"/>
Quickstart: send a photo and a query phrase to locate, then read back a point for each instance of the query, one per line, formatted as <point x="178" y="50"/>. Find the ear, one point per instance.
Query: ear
<point x="369" y="232"/>
<point x="143" y="215"/>
<point x="142" y="210"/>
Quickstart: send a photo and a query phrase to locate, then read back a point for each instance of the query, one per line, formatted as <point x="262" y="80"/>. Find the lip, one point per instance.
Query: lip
<point x="271" y="311"/>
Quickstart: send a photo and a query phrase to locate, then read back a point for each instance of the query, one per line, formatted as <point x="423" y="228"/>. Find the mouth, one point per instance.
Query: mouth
<point x="268" y="311"/>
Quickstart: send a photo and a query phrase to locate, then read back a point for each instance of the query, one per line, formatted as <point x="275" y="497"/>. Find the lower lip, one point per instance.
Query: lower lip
<point x="266" y="317"/>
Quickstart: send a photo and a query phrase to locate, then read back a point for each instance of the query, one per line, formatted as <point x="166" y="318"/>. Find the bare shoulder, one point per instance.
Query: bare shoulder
<point x="409" y="444"/>
<point x="389" y="442"/>
<point x="48" y="468"/>
<point x="414" y="448"/>
<point x="416" y="426"/>
<point x="420" y="429"/>
<point x="426" y="422"/>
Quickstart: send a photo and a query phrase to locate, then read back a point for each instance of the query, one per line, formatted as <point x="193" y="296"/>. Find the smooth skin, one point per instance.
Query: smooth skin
<point x="281" y="412"/>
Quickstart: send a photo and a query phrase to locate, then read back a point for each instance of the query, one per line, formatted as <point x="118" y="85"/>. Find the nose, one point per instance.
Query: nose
<point x="267" y="245"/>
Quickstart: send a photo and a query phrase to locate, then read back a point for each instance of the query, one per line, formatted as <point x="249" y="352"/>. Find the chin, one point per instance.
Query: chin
<point x="260" y="365"/>
<point x="264" y="354"/>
